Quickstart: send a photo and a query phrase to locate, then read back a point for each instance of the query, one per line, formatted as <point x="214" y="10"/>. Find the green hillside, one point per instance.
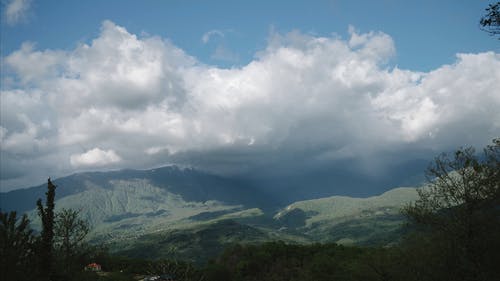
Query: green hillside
<point x="362" y="221"/>
<point x="134" y="207"/>
<point x="349" y="220"/>
<point x="199" y="242"/>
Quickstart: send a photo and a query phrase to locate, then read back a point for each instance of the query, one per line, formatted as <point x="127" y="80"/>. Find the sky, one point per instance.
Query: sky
<point x="241" y="87"/>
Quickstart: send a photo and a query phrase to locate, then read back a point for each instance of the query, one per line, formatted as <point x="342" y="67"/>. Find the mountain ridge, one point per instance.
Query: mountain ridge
<point x="193" y="185"/>
<point x="131" y="210"/>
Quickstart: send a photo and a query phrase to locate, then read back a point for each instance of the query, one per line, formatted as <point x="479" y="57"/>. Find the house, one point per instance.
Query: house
<point x="93" y="267"/>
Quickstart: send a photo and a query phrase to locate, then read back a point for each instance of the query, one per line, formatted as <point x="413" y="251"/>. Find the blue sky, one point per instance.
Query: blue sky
<point x="427" y="34"/>
<point x="242" y="87"/>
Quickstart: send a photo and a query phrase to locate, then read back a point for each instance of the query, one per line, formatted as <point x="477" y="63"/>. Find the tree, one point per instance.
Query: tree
<point x="47" y="235"/>
<point x="24" y="256"/>
<point x="70" y="231"/>
<point x="458" y="212"/>
<point x="16" y="247"/>
<point x="69" y="234"/>
<point x="491" y="21"/>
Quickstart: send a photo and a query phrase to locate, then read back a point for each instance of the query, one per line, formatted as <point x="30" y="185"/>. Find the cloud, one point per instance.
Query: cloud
<point x="16" y="11"/>
<point x="95" y="157"/>
<point x="304" y="99"/>
<point x="209" y="34"/>
<point x="35" y="66"/>
<point x="221" y="52"/>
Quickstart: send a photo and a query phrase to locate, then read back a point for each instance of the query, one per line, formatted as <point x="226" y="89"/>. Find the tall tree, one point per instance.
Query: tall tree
<point x="47" y="235"/>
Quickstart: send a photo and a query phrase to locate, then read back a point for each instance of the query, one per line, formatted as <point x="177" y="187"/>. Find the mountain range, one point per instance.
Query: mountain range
<point x="191" y="214"/>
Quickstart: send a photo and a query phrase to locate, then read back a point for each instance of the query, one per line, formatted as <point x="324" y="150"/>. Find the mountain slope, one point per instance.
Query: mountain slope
<point x="338" y="207"/>
<point x="198" y="243"/>
<point x="370" y="221"/>
<point x="135" y="206"/>
<point x="191" y="214"/>
<point x="349" y="220"/>
<point x="190" y="184"/>
<point x="129" y="203"/>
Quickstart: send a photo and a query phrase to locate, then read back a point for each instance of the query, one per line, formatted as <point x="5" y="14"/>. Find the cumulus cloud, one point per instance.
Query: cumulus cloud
<point x="323" y="98"/>
<point x="35" y="66"/>
<point x="95" y="157"/>
<point x="16" y="11"/>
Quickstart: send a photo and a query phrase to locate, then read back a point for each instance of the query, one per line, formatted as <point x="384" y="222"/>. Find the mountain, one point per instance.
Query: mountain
<point x="342" y="219"/>
<point x="190" y="184"/>
<point x="128" y="203"/>
<point x="199" y="243"/>
<point x="364" y="221"/>
<point x="193" y="215"/>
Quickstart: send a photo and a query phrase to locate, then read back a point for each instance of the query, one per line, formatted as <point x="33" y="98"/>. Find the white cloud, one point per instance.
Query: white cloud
<point x="148" y="102"/>
<point x="35" y="66"/>
<point x="373" y="45"/>
<point x="16" y="11"/>
<point x="95" y="157"/>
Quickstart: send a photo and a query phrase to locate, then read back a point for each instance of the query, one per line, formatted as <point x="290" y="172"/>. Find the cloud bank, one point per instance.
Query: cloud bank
<point x="128" y="101"/>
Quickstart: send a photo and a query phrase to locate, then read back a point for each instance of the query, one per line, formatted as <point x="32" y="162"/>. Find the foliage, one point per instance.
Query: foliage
<point x="181" y="270"/>
<point x="16" y="246"/>
<point x="281" y="261"/>
<point x="70" y="231"/>
<point x="69" y="234"/>
<point x="463" y="184"/>
<point x="458" y="217"/>
<point x="195" y="244"/>
<point x="58" y="253"/>
<point x="47" y="236"/>
<point x="491" y="21"/>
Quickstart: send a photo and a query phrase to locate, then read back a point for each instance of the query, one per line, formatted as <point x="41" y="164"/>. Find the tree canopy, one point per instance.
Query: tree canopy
<point x="491" y="21"/>
<point x="457" y="217"/>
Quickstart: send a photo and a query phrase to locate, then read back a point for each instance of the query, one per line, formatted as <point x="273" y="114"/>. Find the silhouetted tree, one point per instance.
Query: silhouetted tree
<point x="458" y="214"/>
<point x="47" y="235"/>
<point x="16" y="247"/>
<point x="491" y="21"/>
